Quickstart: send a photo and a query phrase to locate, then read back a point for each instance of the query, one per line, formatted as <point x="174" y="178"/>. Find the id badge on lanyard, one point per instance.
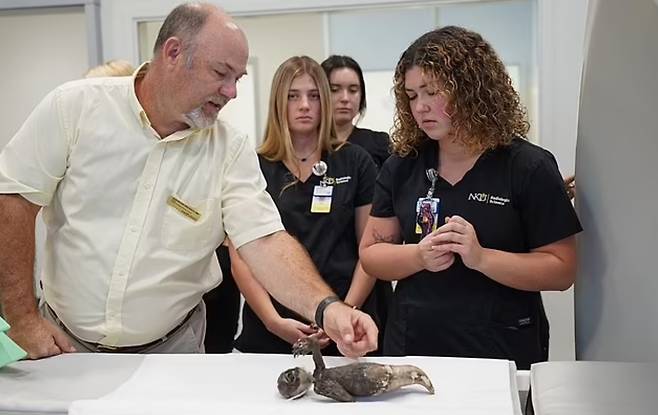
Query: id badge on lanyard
<point x="427" y="208"/>
<point x="321" y="202"/>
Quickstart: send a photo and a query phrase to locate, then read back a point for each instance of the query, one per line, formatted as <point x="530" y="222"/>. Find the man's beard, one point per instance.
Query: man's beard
<point x="198" y="119"/>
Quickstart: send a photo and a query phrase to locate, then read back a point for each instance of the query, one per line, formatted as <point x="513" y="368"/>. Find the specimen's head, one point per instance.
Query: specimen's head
<point x="293" y="383"/>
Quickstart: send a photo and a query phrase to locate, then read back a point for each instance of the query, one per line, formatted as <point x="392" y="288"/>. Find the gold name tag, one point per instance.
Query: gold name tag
<point x="183" y="208"/>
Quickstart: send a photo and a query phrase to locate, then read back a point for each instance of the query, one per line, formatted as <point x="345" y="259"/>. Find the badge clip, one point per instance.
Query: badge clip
<point x="319" y="169"/>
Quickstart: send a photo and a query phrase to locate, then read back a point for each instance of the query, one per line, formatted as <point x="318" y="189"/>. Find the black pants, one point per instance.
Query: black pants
<point x="418" y="330"/>
<point x="222" y="309"/>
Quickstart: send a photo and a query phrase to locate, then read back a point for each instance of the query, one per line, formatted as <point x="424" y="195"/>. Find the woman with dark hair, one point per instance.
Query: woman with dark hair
<point x="348" y="95"/>
<point x="503" y="228"/>
<point x="323" y="190"/>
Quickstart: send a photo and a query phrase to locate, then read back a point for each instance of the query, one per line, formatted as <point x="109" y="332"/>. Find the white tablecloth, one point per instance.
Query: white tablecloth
<point x="195" y="384"/>
<point x="48" y="386"/>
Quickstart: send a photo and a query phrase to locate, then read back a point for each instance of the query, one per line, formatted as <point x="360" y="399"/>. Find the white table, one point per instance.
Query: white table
<point x="140" y="384"/>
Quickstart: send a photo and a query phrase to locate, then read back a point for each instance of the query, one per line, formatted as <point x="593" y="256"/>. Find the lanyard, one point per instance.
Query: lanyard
<point x="432" y="175"/>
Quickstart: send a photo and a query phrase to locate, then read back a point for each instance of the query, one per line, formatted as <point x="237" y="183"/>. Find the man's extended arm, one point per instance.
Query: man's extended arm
<point x="284" y="268"/>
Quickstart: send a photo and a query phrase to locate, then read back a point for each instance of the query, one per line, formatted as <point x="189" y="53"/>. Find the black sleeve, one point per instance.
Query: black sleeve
<point x="267" y="168"/>
<point x="382" y="200"/>
<point x="546" y="211"/>
<point x="265" y="165"/>
<point x="367" y="174"/>
<point x="383" y="150"/>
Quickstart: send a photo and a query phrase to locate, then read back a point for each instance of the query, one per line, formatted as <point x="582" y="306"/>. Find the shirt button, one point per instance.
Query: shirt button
<point x="133" y="229"/>
<point x="147" y="186"/>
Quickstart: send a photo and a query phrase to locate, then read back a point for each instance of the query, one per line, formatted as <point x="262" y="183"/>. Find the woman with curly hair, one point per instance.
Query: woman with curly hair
<point x="501" y="226"/>
<point x="323" y="189"/>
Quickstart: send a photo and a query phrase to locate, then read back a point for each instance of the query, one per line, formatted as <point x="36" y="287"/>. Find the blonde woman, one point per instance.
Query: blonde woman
<point x="115" y="67"/>
<point x="470" y="218"/>
<point x="323" y="190"/>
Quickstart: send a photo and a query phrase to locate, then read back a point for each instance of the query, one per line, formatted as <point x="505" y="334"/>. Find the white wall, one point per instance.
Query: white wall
<point x="41" y="48"/>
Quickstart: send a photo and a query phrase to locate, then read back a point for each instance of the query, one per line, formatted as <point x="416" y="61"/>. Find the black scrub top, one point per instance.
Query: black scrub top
<point x="515" y="199"/>
<point x="376" y="143"/>
<point x="330" y="238"/>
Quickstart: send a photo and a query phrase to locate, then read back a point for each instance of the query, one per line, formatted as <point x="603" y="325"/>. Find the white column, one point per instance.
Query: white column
<point x="561" y="29"/>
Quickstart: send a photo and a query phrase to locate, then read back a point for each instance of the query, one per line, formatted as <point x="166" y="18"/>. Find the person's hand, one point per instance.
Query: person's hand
<point x="39" y="337"/>
<point x="291" y="330"/>
<point x="353" y="331"/>
<point x="570" y="186"/>
<point x="431" y="257"/>
<point x="459" y="236"/>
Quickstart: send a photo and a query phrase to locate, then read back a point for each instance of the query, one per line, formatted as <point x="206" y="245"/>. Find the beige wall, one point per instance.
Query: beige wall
<point x="42" y="48"/>
<point x="273" y="39"/>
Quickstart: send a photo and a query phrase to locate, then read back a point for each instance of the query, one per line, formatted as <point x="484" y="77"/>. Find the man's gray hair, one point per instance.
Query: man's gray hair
<point x="184" y="22"/>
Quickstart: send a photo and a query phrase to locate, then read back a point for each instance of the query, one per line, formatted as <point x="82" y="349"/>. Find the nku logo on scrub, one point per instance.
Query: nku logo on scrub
<point x="487" y="198"/>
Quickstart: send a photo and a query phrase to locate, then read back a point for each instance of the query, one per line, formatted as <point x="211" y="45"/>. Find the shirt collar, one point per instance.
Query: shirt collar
<point x="136" y="106"/>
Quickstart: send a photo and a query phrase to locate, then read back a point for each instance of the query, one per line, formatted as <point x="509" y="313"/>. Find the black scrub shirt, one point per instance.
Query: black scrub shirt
<point x="515" y="199"/>
<point x="376" y="143"/>
<point x="330" y="238"/>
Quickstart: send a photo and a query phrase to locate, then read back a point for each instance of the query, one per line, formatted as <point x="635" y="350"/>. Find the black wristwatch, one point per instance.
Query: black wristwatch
<point x="319" y="312"/>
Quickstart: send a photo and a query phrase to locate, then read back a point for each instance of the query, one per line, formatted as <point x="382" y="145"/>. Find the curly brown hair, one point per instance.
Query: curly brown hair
<point x="484" y="109"/>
